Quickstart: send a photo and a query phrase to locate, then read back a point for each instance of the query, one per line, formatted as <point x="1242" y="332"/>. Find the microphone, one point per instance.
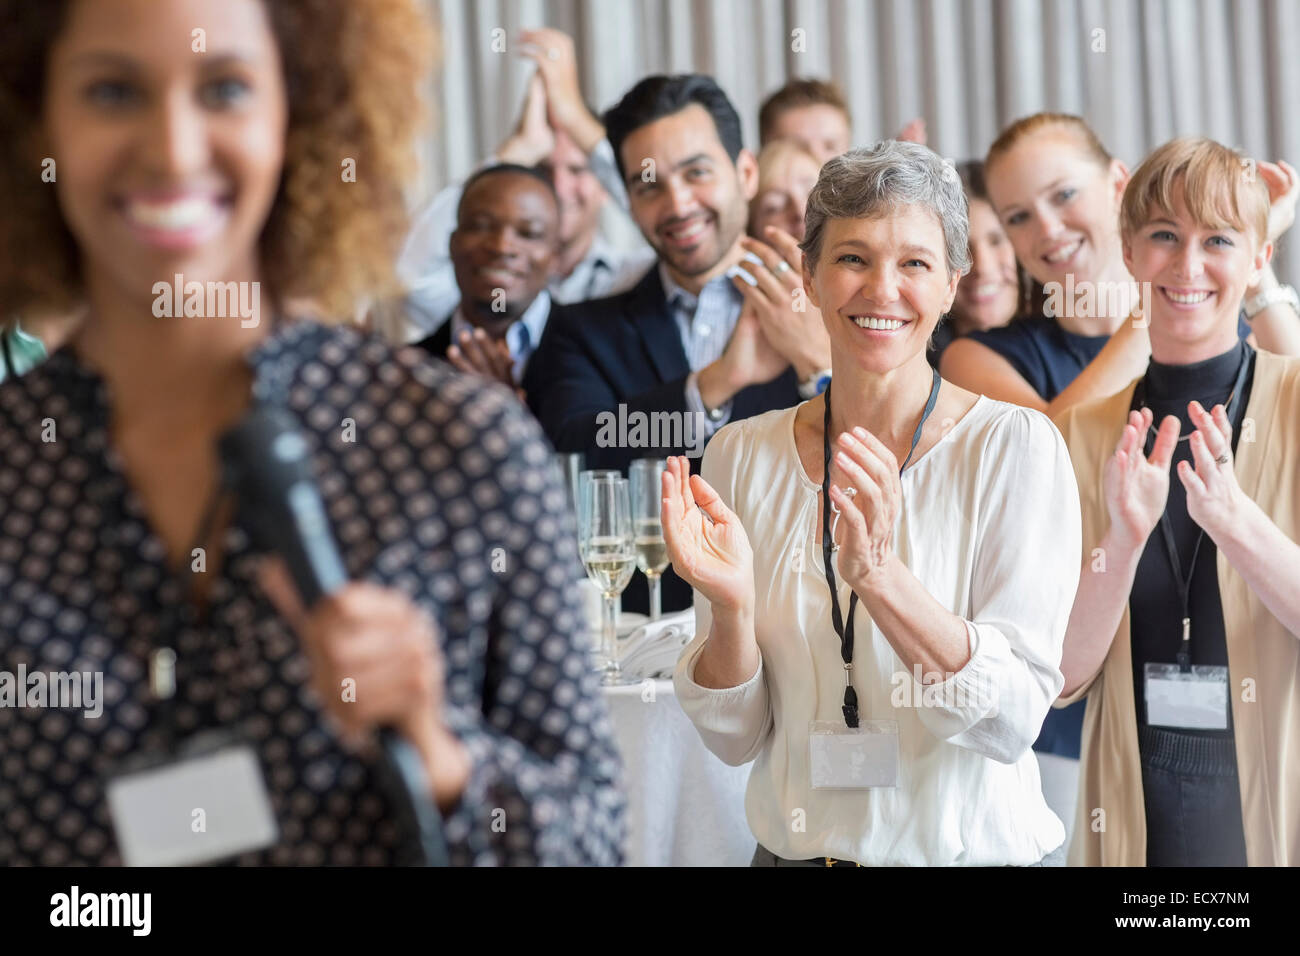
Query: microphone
<point x="265" y="461"/>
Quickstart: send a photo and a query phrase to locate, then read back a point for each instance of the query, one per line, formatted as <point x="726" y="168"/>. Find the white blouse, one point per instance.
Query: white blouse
<point x="990" y="526"/>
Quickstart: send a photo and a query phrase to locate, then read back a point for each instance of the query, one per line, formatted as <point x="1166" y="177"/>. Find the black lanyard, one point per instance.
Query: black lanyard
<point x="845" y="634"/>
<point x="1184" y="584"/>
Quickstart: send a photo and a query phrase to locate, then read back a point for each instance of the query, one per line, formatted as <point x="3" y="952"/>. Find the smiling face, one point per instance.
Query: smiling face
<point x="168" y="159"/>
<point x="693" y="210"/>
<point x="783" y="195"/>
<point x="1198" y="275"/>
<point x="882" y="285"/>
<point x="1059" y="207"/>
<point x="987" y="294"/>
<point x="820" y="128"/>
<point x="503" y="247"/>
<point x="579" y="191"/>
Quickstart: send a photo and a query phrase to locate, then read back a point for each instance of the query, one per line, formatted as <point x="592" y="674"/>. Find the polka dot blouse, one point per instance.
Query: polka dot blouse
<point x="436" y="485"/>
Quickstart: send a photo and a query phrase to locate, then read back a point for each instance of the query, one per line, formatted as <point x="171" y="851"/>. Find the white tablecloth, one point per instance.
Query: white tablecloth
<point x="685" y="806"/>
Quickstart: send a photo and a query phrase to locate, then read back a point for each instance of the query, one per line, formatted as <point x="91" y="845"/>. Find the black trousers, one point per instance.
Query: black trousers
<point x="1192" y="797"/>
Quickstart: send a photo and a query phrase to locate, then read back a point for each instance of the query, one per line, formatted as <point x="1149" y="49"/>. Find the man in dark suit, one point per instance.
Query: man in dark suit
<point x="657" y="370"/>
<point x="502" y="251"/>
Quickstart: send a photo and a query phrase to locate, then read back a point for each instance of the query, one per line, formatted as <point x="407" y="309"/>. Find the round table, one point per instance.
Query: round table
<point x="685" y="806"/>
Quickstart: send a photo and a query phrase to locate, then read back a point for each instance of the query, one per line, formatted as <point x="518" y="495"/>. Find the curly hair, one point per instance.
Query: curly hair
<point x="353" y="74"/>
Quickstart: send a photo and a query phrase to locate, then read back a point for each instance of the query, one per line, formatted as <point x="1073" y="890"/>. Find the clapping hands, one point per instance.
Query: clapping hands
<point x="1136" y="487"/>
<point x="708" y="548"/>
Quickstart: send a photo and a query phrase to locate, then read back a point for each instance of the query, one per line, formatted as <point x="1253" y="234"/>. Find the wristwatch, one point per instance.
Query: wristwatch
<point x="1283" y="293"/>
<point x="815" y="384"/>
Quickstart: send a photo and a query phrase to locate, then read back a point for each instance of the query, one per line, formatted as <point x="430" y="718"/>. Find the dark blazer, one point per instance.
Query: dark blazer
<point x="625" y="350"/>
<point x="437" y="343"/>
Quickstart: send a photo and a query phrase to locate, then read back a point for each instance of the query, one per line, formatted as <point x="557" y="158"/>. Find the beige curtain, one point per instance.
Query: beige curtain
<point x="1140" y="71"/>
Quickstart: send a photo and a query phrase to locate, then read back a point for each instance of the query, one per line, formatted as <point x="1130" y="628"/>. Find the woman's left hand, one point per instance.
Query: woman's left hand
<point x="865" y="532"/>
<point x="1213" y="496"/>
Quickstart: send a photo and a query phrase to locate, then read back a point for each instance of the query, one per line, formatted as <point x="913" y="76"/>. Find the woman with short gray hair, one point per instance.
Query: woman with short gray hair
<point x="888" y="647"/>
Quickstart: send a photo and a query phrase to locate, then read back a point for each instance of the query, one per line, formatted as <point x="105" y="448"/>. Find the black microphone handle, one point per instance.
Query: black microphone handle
<point x="265" y="459"/>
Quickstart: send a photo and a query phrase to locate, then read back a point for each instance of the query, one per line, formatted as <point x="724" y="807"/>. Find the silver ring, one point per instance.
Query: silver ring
<point x="850" y="492"/>
<point x="1222" y="459"/>
<point x="782" y="266"/>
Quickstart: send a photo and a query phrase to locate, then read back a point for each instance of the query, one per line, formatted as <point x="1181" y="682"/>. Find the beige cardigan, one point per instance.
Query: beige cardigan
<point x="1263" y="657"/>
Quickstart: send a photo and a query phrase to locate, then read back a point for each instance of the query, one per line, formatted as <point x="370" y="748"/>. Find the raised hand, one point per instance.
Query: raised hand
<point x="799" y="335"/>
<point x="380" y="645"/>
<point x="913" y="132"/>
<point x="557" y="63"/>
<point x="866" y="490"/>
<point x="533" y="139"/>
<point x="1136" y="487"/>
<point x="1283" y="192"/>
<point x="753" y="358"/>
<point x="477" y="354"/>
<point x="712" y="553"/>
<point x="1213" y="497"/>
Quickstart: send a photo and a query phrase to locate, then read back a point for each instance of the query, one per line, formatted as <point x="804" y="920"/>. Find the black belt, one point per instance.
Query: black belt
<point x="831" y="861"/>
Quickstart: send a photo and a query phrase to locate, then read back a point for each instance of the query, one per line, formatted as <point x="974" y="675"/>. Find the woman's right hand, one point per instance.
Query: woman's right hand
<point x="713" y="556"/>
<point x="1137" y="487"/>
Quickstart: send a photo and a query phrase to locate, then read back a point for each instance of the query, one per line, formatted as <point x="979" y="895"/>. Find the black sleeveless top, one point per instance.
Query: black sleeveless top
<point x="1155" y="606"/>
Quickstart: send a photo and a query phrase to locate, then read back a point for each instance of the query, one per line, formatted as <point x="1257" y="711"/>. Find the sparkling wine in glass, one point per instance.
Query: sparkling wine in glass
<point x="605" y="544"/>
<point x="646" y="480"/>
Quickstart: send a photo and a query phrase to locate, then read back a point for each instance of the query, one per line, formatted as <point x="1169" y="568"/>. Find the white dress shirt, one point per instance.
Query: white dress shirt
<point x="990" y="526"/>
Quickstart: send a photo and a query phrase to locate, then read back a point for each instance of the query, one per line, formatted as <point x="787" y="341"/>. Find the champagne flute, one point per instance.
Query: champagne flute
<point x="570" y="467"/>
<point x="646" y="481"/>
<point x="591" y="590"/>
<point x="605" y="544"/>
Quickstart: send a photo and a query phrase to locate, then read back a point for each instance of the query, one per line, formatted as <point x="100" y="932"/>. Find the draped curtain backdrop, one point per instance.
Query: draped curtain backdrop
<point x="1140" y="71"/>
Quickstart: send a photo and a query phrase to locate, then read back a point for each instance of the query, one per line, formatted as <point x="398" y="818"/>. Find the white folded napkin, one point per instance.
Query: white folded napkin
<point x="651" y="651"/>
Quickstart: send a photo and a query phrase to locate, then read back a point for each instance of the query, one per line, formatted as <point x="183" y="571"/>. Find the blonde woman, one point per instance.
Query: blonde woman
<point x="1185" y="635"/>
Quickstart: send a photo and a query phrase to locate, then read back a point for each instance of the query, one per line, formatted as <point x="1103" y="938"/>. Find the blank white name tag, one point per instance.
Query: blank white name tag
<point x="1197" y="700"/>
<point x="195" y="810"/>
<point x="844" y="758"/>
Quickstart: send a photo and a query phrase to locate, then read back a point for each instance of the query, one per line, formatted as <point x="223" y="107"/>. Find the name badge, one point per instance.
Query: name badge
<point x="1196" y="700"/>
<point x="197" y="809"/>
<point x="853" y="758"/>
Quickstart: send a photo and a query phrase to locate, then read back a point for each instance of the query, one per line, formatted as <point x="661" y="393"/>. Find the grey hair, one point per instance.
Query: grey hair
<point x="869" y="183"/>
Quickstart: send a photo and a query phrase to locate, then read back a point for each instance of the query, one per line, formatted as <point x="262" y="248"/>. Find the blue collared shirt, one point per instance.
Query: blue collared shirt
<point x="705" y="323"/>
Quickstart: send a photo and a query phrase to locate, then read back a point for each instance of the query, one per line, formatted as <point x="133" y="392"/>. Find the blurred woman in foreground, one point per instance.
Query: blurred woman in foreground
<point x="225" y="168"/>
